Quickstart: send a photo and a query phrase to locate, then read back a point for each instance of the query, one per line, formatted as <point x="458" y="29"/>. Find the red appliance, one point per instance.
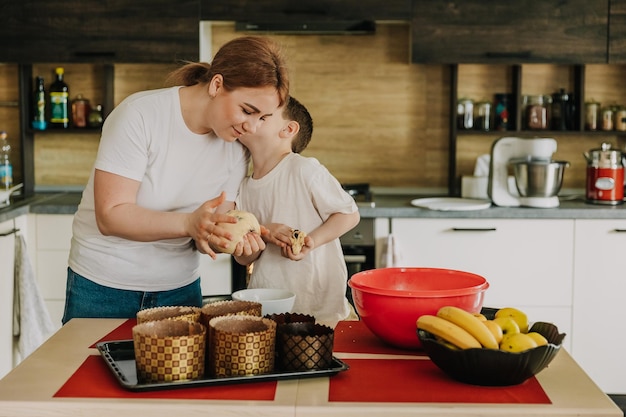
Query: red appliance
<point x="605" y="176"/>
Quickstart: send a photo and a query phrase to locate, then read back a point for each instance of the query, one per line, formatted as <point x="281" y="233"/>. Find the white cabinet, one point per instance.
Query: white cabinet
<point x="215" y="275"/>
<point x="7" y="251"/>
<point x="52" y="234"/>
<point x="599" y="291"/>
<point x="528" y="263"/>
<point x="8" y="230"/>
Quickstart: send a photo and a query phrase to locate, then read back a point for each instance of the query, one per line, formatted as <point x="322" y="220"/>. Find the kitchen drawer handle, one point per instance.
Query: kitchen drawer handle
<point x="619" y="230"/>
<point x="473" y="229"/>
<point x="355" y="259"/>
<point x="10" y="232"/>
<point x="508" y="55"/>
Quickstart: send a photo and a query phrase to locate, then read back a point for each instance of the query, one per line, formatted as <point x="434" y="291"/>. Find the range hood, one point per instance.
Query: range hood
<point x="320" y="27"/>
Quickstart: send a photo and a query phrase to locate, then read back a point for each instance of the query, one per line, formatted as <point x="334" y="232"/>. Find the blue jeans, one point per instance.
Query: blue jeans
<point x="85" y="298"/>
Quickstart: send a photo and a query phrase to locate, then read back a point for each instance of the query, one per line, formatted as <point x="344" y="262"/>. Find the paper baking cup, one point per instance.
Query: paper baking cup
<point x="304" y="346"/>
<point x="241" y="345"/>
<point x="284" y="318"/>
<point x="169" y="350"/>
<point x="229" y="308"/>
<point x="168" y="313"/>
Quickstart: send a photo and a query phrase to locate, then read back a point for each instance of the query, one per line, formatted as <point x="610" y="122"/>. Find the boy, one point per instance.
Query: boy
<point x="287" y="191"/>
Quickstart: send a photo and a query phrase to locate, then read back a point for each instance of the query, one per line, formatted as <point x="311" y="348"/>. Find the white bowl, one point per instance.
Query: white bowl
<point x="273" y="301"/>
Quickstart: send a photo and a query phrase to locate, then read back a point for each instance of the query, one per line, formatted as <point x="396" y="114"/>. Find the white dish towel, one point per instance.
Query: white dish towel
<point x="391" y="254"/>
<point x="32" y="324"/>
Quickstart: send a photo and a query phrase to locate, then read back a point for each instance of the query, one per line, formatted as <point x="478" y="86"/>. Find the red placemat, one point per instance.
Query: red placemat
<point x="122" y="332"/>
<point x="94" y="380"/>
<point x="417" y="380"/>
<point x="355" y="337"/>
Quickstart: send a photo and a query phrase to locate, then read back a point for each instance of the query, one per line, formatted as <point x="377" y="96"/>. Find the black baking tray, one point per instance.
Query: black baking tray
<point x="120" y="358"/>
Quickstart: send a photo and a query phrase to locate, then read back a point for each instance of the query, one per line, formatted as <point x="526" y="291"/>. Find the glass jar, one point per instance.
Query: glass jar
<point x="483" y="116"/>
<point x="465" y="113"/>
<point x="592" y="115"/>
<point x="619" y="117"/>
<point x="536" y="113"/>
<point x="607" y="118"/>
<point x="95" y="116"/>
<point x="80" y="111"/>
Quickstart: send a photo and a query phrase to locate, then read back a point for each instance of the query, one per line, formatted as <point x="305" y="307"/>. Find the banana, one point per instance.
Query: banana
<point x="470" y="323"/>
<point x="448" y="331"/>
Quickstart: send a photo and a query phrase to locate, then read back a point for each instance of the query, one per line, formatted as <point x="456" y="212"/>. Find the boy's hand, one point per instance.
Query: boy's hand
<point x="309" y="245"/>
<point x="277" y="234"/>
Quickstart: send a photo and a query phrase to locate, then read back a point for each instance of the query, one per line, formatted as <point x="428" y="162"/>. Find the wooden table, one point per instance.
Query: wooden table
<point x="32" y="388"/>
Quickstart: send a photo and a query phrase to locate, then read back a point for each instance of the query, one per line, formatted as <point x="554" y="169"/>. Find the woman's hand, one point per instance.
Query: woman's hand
<point x="201" y="226"/>
<point x="248" y="250"/>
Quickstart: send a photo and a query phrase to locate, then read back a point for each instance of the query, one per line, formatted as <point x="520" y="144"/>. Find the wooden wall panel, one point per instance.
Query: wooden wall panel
<point x="377" y="118"/>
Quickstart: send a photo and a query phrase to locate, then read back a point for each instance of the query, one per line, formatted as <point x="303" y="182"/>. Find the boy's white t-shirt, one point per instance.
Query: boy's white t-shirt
<point x="146" y="139"/>
<point x="301" y="193"/>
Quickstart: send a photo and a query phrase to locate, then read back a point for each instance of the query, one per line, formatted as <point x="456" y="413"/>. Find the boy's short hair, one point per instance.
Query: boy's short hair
<point x="294" y="110"/>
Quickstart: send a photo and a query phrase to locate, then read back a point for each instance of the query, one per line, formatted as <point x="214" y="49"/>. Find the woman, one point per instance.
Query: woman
<point x="168" y="167"/>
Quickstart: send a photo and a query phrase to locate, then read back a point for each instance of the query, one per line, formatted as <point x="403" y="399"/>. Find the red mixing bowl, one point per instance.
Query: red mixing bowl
<point x="390" y="300"/>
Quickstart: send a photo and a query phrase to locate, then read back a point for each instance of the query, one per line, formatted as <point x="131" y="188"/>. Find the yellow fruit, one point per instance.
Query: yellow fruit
<point x="518" y="315"/>
<point x="518" y="342"/>
<point x="538" y="337"/>
<point x="448" y="331"/>
<point x="507" y="324"/>
<point x="495" y="330"/>
<point x="470" y="324"/>
<point x="480" y="316"/>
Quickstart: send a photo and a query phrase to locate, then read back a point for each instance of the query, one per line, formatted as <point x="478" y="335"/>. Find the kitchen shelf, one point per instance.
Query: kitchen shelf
<point x="510" y="79"/>
<point x="27" y="134"/>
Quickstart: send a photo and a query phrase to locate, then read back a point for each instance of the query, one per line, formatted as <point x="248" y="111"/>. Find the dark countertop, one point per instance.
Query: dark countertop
<point x="386" y="205"/>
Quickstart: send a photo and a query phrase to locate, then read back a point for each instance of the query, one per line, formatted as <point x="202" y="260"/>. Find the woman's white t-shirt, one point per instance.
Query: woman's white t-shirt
<point x="146" y="139"/>
<point x="301" y="193"/>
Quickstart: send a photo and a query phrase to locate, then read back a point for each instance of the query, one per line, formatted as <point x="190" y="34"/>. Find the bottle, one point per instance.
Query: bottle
<point x="39" y="106"/>
<point x="59" y="101"/>
<point x="560" y="103"/>
<point x="6" y="168"/>
<point x="503" y="110"/>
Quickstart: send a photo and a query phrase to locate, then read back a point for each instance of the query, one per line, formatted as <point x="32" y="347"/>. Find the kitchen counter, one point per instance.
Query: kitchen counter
<point x="39" y="386"/>
<point x="385" y="205"/>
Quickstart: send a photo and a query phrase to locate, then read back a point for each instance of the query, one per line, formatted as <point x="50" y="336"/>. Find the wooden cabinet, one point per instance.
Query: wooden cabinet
<point x="617" y="32"/>
<point x="313" y="10"/>
<point x="97" y="31"/>
<point x="479" y="31"/>
<point x="528" y="263"/>
<point x="599" y="289"/>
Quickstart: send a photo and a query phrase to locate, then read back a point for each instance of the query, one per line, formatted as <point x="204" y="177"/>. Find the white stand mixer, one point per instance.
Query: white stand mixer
<point x="503" y="151"/>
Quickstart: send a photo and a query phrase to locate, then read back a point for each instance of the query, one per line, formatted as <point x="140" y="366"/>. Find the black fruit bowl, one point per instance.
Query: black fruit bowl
<point x="490" y="367"/>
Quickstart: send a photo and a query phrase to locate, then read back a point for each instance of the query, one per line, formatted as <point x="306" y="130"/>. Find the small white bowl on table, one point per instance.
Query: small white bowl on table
<point x="273" y="300"/>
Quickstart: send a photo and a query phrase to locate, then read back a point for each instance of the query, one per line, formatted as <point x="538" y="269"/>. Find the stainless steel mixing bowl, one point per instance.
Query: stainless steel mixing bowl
<point x="538" y="178"/>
